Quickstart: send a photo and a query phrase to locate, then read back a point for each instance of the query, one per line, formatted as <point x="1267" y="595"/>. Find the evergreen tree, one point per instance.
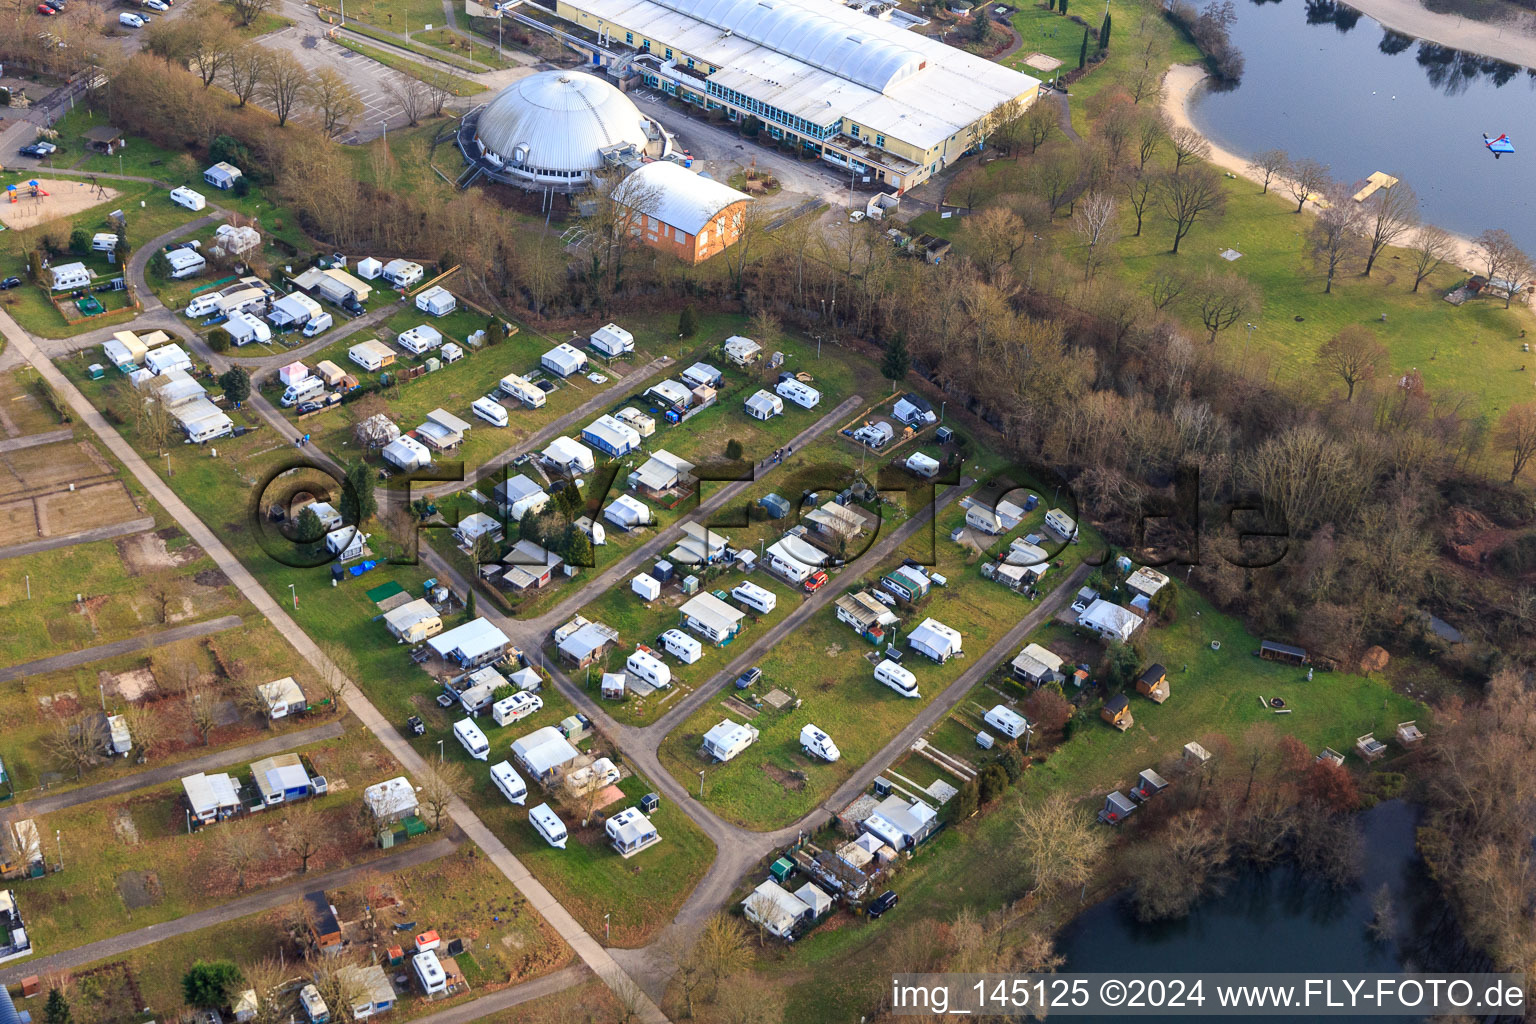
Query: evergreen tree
<point x="733" y="449"/>
<point x="1104" y="33"/>
<point x="897" y="362"/>
<point x="209" y="984"/>
<point x="1062" y="6"/>
<point x="1082" y="55"/>
<point x="687" y="323"/>
<point x="79" y="240"/>
<point x="57" y="1010"/>
<point x="218" y="339"/>
<point x="236" y="383"/>
<point x="469" y="606"/>
<point x="358" y="504"/>
<point x="307" y="528"/>
<point x="578" y="548"/>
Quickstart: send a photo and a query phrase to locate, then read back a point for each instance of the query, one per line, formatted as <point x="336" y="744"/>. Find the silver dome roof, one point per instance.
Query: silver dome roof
<point x="559" y="121"/>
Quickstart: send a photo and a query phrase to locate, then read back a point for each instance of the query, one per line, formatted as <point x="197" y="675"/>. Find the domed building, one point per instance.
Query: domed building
<point x="554" y="129"/>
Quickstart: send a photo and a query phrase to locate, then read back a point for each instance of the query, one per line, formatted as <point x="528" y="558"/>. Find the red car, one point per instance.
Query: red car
<point x="46" y="10"/>
<point x="816" y="581"/>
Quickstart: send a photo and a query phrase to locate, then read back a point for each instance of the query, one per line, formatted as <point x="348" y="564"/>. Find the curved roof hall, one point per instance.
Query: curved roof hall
<point x="560" y="121"/>
<point x="837" y="40"/>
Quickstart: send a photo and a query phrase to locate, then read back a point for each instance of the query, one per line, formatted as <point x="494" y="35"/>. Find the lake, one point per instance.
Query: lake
<point x="1324" y="82"/>
<point x="1274" y="920"/>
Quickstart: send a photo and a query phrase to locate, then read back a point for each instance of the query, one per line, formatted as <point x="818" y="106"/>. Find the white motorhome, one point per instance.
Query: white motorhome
<point x="472" y="739"/>
<point x="681" y="646"/>
<point x="516" y="707"/>
<point x="803" y="395"/>
<point x="509" y="782"/>
<point x="302" y="391"/>
<point x="490" y="410"/>
<point x="726" y="740"/>
<point x="646" y="666"/>
<point x="519" y="388"/>
<point x="817" y="743"/>
<point x="202" y="305"/>
<point x="548" y="824"/>
<point x="759" y="599"/>
<point x="1009" y="723"/>
<point x="897" y="678"/>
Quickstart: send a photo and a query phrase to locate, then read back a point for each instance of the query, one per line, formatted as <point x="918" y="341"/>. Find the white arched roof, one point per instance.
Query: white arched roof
<point x="828" y="40"/>
<point x="563" y="118"/>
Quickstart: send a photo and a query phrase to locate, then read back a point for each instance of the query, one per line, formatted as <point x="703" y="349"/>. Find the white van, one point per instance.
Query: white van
<point x="303" y="391"/>
<point x="472" y="739"/>
<point x="516" y="707"/>
<point x="509" y="782"/>
<point x="755" y="597"/>
<point x="1009" y="723"/>
<point x="681" y="646"/>
<point x="130" y="20"/>
<point x="188" y="198"/>
<point x="646" y="666"/>
<point x="490" y="410"/>
<point x="202" y="305"/>
<point x="104" y="241"/>
<point x="318" y="323"/>
<point x="897" y="678"/>
<point x="548" y="824"/>
<point x="818" y="744"/>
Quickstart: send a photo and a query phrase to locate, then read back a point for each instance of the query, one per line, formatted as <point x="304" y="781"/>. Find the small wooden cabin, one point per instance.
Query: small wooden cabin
<point x="1153" y="684"/>
<point x="1117" y="712"/>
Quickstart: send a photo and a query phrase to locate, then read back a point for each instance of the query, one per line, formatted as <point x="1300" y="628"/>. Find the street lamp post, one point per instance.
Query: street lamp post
<point x="941" y="410"/>
<point x="385" y="126"/>
<point x="295" y="594"/>
<point x="607" y="933"/>
<point x="58" y="837"/>
<point x="701" y="783"/>
<point x="439" y="751"/>
<point x="1246" y="341"/>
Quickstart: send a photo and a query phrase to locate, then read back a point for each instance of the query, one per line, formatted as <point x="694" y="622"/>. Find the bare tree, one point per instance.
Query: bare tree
<point x="762" y="910"/>
<point x="1168" y="283"/>
<point x="1430" y="246"/>
<point x="163" y="587"/>
<point x="333" y="100"/>
<point x="620" y="207"/>
<point x="1335" y="239"/>
<point x="77" y="741"/>
<point x="411" y="94"/>
<point x="269" y="978"/>
<point x="145" y="726"/>
<point x="1055" y="176"/>
<point x="1140" y="189"/>
<point x="439" y="786"/>
<point x="202" y="709"/>
<point x="1354" y="355"/>
<point x="749" y="246"/>
<point x="1504" y="261"/>
<point x="249" y="10"/>
<point x="1151" y="133"/>
<point x="1096" y="227"/>
<point x="1187" y="195"/>
<point x="1306" y="179"/>
<point x="155" y="424"/>
<point x="303" y="832"/>
<point x="250" y="700"/>
<point x="339" y="669"/>
<point x="1059" y="842"/>
<point x="1223" y="299"/>
<point x="237" y="849"/>
<point x="1188" y="144"/>
<point x="1516" y="435"/>
<point x="685" y="966"/>
<point x="1041" y="121"/>
<point x="246" y="69"/>
<point x="751" y="1002"/>
<point x="284" y="83"/>
<point x="211" y="46"/>
<point x="1269" y="165"/>
<point x="439" y="85"/>
<point x="1390" y="213"/>
<point x="724" y="948"/>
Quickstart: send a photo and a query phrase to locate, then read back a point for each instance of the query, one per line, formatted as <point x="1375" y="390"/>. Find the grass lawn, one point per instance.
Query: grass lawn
<point x="26" y="405"/>
<point x="454" y="84"/>
<point x="465" y="46"/>
<point x="460" y="896"/>
<point x="451" y="58"/>
<point x="117" y="851"/>
<point x="139" y="157"/>
<point x="834" y="972"/>
<point x="263" y="24"/>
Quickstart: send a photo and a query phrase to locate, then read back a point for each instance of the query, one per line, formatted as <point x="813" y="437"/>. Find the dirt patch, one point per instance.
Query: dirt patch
<point x="833" y="650"/>
<point x="123" y="825"/>
<point x="791" y="781"/>
<point x="18" y="523"/>
<point x="146" y="552"/>
<point x="63" y="704"/>
<point x="212" y="578"/>
<point x="139" y="889"/>
<point x="1471" y="536"/>
<point x="132" y="686"/>
<point x="737" y="707"/>
<point x="56" y="199"/>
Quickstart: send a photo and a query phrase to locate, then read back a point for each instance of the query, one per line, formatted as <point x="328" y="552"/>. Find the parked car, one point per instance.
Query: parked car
<point x="57" y="5"/>
<point x="9" y="283"/>
<point x="416" y="726"/>
<point x="44" y="9"/>
<point x="351" y="305"/>
<point x="815" y="582"/>
<point x="885" y="901"/>
<point x="39" y="149"/>
<point x="747" y="678"/>
<point x="324" y="402"/>
<point x="157" y="5"/>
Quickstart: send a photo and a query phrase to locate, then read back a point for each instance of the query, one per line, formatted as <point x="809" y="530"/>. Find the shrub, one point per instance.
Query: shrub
<point x="733" y="449"/>
<point x="992" y="783"/>
<point x="218" y="339"/>
<point x="79" y="240"/>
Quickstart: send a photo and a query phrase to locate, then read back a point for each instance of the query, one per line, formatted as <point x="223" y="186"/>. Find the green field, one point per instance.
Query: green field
<point x="455" y="85"/>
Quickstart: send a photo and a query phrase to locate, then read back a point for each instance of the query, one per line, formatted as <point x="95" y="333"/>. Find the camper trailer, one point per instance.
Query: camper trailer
<point x="519" y="388"/>
<point x="727" y="739"/>
<point x="759" y="599"/>
<point x="1009" y="723"/>
<point x="646" y="666"/>
<point x="548" y="824"/>
<point x="472" y="739"/>
<point x="188" y="198"/>
<point x="803" y="395"/>
<point x="817" y="743"/>
<point x="509" y="782"/>
<point x="612" y="340"/>
<point x="681" y="646"/>
<point x="490" y="410"/>
<point x="897" y="678"/>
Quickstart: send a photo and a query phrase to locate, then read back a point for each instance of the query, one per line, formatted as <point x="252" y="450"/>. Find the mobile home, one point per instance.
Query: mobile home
<point x="188" y="198"/>
<point x="612" y="340"/>
<point x="816" y="743"/>
<point x="727" y="739"/>
<point x="490" y="410"/>
<point x="1009" y="723"/>
<point x="519" y="388"/>
<point x="564" y="360"/>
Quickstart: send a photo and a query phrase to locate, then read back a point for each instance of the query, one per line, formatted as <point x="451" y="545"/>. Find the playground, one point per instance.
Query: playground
<point x="35" y="201"/>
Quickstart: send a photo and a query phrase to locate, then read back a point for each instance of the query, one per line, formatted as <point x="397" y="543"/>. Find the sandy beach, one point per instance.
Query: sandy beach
<point x="1180" y="84"/>
<point x="1513" y="40"/>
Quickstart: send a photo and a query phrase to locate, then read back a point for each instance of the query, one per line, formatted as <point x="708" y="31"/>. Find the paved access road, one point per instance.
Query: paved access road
<point x="148" y="641"/>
